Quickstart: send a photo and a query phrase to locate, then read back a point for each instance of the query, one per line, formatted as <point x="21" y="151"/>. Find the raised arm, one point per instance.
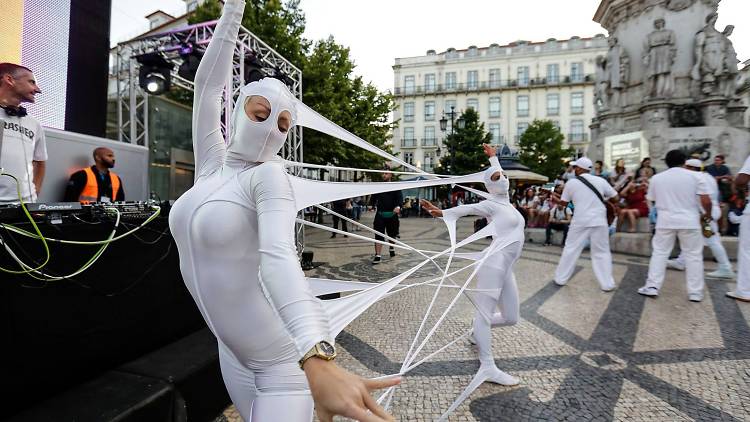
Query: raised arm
<point x="208" y="143"/>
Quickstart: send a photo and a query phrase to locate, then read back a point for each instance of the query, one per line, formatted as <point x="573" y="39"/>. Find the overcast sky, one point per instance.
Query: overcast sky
<point x="379" y="31"/>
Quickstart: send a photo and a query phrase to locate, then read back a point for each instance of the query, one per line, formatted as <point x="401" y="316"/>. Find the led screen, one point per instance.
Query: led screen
<point x="35" y="34"/>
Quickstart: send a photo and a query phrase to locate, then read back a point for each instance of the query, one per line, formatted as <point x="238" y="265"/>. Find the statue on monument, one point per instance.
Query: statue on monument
<point x="600" y="91"/>
<point x="617" y="71"/>
<point x="715" y="66"/>
<point x="659" y="53"/>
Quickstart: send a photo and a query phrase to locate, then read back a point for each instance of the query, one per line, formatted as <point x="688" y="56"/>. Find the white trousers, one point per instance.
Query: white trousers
<point x="691" y="244"/>
<point x="714" y="243"/>
<point x="743" y="257"/>
<point x="601" y="257"/>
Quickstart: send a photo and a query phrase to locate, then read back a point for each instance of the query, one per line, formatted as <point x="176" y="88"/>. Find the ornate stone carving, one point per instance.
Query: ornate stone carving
<point x="677" y="5"/>
<point x="659" y="54"/>
<point x="657" y="146"/>
<point x="600" y="91"/>
<point x="724" y="146"/>
<point x="612" y="75"/>
<point x="688" y="115"/>
<point x="715" y="68"/>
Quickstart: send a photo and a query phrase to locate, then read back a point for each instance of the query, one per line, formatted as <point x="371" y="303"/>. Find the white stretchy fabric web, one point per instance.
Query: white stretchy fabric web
<point x="234" y="230"/>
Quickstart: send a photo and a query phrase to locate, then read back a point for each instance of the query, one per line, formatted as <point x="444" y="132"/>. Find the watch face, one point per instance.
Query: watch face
<point x="327" y="348"/>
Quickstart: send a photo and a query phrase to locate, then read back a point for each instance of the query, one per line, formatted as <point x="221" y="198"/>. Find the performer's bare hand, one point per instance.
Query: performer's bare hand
<point x="433" y="210"/>
<point x="339" y="392"/>
<point x="489" y="150"/>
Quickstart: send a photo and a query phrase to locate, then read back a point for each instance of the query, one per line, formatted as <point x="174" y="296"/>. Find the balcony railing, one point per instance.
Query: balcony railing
<point x="408" y="143"/>
<point x="494" y="85"/>
<point x="429" y="168"/>
<point x="429" y="142"/>
<point x="576" y="110"/>
<point x="498" y="141"/>
<point x="553" y="111"/>
<point x="578" y="138"/>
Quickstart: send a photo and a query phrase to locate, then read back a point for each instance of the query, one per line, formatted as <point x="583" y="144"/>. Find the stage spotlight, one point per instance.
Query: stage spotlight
<point x="253" y="69"/>
<point x="155" y="73"/>
<point x="191" y="58"/>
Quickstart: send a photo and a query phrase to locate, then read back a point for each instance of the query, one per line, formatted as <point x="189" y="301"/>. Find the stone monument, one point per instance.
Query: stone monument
<point x="668" y="81"/>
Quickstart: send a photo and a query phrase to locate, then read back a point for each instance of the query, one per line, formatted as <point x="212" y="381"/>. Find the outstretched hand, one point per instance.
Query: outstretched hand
<point x="339" y="392"/>
<point x="433" y="210"/>
<point x="489" y="150"/>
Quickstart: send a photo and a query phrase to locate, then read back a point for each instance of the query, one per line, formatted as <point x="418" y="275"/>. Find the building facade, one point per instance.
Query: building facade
<point x="509" y="86"/>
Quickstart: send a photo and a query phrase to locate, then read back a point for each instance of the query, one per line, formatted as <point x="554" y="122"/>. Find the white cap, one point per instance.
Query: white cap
<point x="694" y="162"/>
<point x="583" y="163"/>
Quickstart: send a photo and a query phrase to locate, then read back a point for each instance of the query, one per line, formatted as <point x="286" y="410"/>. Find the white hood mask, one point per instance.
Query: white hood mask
<point x="496" y="187"/>
<point x="253" y="141"/>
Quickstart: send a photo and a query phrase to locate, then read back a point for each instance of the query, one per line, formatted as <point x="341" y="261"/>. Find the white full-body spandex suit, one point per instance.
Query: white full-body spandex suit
<point x="495" y="275"/>
<point x="234" y="230"/>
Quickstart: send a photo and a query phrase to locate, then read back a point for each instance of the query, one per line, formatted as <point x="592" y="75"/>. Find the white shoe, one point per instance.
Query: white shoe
<point x="561" y="283"/>
<point x="608" y="289"/>
<point x="497" y="376"/>
<point x="695" y="297"/>
<point x="472" y="339"/>
<point x="675" y="265"/>
<point x="734" y="295"/>
<point x="648" y="291"/>
<point x="721" y="273"/>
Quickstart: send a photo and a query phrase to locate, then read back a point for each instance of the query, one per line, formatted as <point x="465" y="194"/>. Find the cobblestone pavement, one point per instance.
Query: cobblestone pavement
<point x="581" y="354"/>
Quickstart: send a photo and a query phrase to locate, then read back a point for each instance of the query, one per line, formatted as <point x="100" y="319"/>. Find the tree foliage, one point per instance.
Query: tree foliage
<point x="465" y="146"/>
<point x="329" y="85"/>
<point x="541" y="149"/>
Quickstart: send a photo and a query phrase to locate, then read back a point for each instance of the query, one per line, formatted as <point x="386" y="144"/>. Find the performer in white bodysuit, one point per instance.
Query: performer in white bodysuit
<point x="234" y="230"/>
<point x="496" y="273"/>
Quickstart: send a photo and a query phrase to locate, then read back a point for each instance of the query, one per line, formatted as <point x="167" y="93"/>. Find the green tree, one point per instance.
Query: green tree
<point x="541" y="149"/>
<point x="328" y="82"/>
<point x="280" y="25"/>
<point x="466" y="147"/>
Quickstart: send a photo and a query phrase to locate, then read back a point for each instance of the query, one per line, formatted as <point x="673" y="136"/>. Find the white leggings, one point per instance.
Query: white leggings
<point x="277" y="392"/>
<point x="494" y="278"/>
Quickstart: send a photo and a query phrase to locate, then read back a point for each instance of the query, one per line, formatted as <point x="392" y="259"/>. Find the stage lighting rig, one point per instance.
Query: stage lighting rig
<point x="155" y="73"/>
<point x="191" y="58"/>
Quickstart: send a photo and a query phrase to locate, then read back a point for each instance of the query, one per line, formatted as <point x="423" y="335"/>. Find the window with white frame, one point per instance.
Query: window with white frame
<point x="429" y="161"/>
<point x="409" y="157"/>
<point x="576" y="102"/>
<point x="449" y="104"/>
<point x="494" y="106"/>
<point x="473" y="103"/>
<point x="522" y="105"/>
<point x="523" y="75"/>
<point x="429" y="110"/>
<point x="576" y="131"/>
<point x="553" y="73"/>
<point x="408" y="112"/>
<point x="409" y="137"/>
<point x="494" y="78"/>
<point x="409" y="84"/>
<point x="450" y="80"/>
<point x="429" y="137"/>
<point x="494" y="129"/>
<point x="472" y="79"/>
<point x="521" y="128"/>
<point x="576" y="72"/>
<point x="553" y="104"/>
<point x="429" y="82"/>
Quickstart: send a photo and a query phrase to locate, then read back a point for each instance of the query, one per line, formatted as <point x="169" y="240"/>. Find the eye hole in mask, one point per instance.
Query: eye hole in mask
<point x="258" y="108"/>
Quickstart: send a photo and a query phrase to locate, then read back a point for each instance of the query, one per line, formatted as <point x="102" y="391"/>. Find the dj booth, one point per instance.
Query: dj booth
<point x="120" y="336"/>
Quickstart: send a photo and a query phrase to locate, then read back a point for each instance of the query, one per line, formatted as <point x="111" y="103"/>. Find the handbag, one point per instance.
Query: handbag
<point x="610" y="207"/>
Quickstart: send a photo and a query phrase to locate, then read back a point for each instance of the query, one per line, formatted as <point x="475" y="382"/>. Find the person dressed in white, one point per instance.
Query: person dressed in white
<point x="234" y="230"/>
<point x="674" y="192"/>
<point x="742" y="291"/>
<point x="497" y="271"/>
<point x="24" y="150"/>
<point x="589" y="224"/>
<point x="713" y="242"/>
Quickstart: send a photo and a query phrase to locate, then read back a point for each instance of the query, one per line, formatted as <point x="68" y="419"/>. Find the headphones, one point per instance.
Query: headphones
<point x="15" y="111"/>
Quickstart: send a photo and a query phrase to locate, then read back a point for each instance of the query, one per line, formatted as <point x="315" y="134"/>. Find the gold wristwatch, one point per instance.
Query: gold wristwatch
<point x="322" y="349"/>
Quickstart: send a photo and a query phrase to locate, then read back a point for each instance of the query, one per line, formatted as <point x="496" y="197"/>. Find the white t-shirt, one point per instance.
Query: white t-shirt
<point x="23" y="142"/>
<point x="713" y="193"/>
<point x="674" y="191"/>
<point x="589" y="210"/>
<point x="746" y="170"/>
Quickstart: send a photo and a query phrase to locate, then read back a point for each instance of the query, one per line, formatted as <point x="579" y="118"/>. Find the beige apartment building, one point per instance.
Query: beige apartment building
<point x="509" y="85"/>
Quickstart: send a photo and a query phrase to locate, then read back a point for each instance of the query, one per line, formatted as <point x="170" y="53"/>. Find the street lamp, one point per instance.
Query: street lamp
<point x="444" y="127"/>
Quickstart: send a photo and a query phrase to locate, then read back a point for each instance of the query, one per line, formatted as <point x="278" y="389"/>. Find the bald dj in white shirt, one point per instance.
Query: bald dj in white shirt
<point x="674" y="193"/>
<point x="589" y="224"/>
